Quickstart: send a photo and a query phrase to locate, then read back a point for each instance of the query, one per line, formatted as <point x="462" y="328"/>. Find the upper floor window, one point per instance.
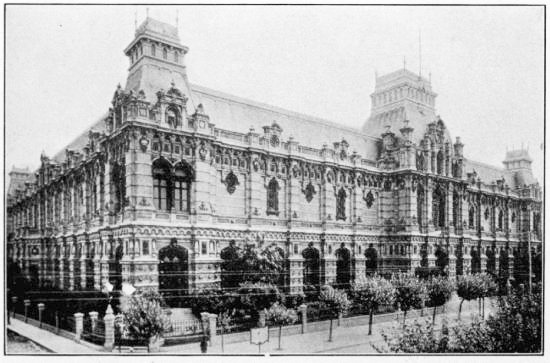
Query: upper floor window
<point x="118" y="177"/>
<point x="182" y="182"/>
<point x="341" y="205"/>
<point x="420" y="205"/>
<point x="273" y="197"/>
<point x="172" y="117"/>
<point x="471" y="218"/>
<point x="176" y="57"/>
<point x="500" y="220"/>
<point x="153" y="50"/>
<point x="161" y="180"/>
<point x="440" y="166"/>
<point x="164" y="54"/>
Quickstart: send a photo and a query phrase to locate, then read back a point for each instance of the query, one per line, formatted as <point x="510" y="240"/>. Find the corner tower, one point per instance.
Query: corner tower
<point x="399" y="96"/>
<point x="156" y="58"/>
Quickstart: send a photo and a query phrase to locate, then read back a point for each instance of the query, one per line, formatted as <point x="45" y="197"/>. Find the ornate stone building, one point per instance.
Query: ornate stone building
<point x="159" y="186"/>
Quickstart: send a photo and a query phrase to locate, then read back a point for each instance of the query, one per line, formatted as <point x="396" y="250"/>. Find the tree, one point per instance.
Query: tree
<point x="515" y="328"/>
<point x="279" y="315"/>
<point x="468" y="287"/>
<point x="372" y="292"/>
<point x="143" y="316"/>
<point x="410" y="292"/>
<point x="258" y="296"/>
<point x="488" y="288"/>
<point x="251" y="264"/>
<point x="439" y="291"/>
<point x="517" y="324"/>
<point x="336" y="302"/>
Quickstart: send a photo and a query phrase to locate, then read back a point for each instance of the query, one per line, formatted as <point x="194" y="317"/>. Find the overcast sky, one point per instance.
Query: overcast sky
<point x="486" y="63"/>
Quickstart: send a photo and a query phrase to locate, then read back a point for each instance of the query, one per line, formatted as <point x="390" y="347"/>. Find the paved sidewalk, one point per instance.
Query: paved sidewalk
<point x="344" y="340"/>
<point x="50" y="341"/>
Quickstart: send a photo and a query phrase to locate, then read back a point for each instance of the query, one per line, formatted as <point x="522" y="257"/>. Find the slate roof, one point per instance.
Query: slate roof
<point x="238" y="114"/>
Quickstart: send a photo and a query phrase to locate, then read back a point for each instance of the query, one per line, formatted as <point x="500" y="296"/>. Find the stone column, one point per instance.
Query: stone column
<point x="78" y="320"/>
<point x="296" y="279"/>
<point x="212" y="328"/>
<point x="97" y="264"/>
<point x="109" y="320"/>
<point x="303" y="313"/>
<point x="83" y="258"/>
<point x="359" y="265"/>
<point x="93" y="319"/>
<point x="70" y="262"/>
<point x="61" y="272"/>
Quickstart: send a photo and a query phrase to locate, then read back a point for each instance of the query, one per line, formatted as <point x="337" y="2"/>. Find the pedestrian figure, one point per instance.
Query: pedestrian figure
<point x="204" y="344"/>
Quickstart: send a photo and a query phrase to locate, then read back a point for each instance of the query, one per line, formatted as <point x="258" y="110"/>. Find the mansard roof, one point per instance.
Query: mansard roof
<point x="81" y="140"/>
<point x="238" y="114"/>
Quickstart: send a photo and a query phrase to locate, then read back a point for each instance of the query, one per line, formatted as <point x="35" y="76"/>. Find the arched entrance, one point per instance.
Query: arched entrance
<point x="491" y="265"/>
<point x="476" y="261"/>
<point x="231" y="269"/>
<point x="173" y="272"/>
<point x="371" y="262"/>
<point x="312" y="263"/>
<point x="343" y="267"/>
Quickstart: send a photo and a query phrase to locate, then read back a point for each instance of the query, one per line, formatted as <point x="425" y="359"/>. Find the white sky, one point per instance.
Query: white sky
<point x="487" y="65"/>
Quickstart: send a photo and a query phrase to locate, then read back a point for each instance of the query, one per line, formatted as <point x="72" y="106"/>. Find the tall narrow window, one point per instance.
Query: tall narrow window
<point x="118" y="177"/>
<point x="273" y="197"/>
<point x="438" y="208"/>
<point x="172" y="117"/>
<point x="341" y="205"/>
<point x="153" y="50"/>
<point x="176" y="57"/>
<point x="164" y="54"/>
<point x="161" y="187"/>
<point x="420" y="205"/>
<point x="182" y="179"/>
<point x="500" y="220"/>
<point x="456" y="201"/>
<point x="440" y="162"/>
<point x="471" y="217"/>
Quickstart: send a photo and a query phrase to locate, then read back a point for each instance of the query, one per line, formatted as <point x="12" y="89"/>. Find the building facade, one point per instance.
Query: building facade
<point x="155" y="190"/>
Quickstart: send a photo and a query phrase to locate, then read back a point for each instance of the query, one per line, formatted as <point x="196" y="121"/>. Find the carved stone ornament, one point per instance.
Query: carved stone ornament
<point x="202" y="152"/>
<point x="231" y="181"/>
<point x="143" y="143"/>
<point x="309" y="191"/>
<point x="369" y="199"/>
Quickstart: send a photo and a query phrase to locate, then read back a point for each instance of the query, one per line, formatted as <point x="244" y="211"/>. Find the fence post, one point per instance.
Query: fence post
<point x="303" y="312"/>
<point x="212" y="318"/>
<point x="14" y="304"/>
<point x="27" y="303"/>
<point x="40" y="313"/>
<point x="78" y="321"/>
<point x="93" y="320"/>
<point x="109" y="320"/>
<point x="339" y="318"/>
<point x="205" y="324"/>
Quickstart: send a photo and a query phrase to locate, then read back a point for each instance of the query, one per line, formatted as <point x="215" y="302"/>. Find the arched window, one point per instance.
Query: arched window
<point x="118" y="180"/>
<point x="176" y="57"/>
<point x="440" y="162"/>
<point x="456" y="201"/>
<point x="341" y="205"/>
<point x="161" y="185"/>
<point x="273" y="198"/>
<point x="182" y="184"/>
<point x="164" y="53"/>
<point x="153" y="50"/>
<point x="420" y="205"/>
<point x="471" y="217"/>
<point x="500" y="220"/>
<point x="438" y="208"/>
<point x="420" y="162"/>
<point x="172" y="118"/>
